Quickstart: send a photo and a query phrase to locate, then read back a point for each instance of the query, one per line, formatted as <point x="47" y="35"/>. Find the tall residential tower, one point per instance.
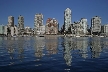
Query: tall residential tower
<point x="38" y="22"/>
<point x="83" y="22"/>
<point x="67" y="19"/>
<point x="95" y="25"/>
<point x="21" y="22"/>
<point x="20" y="25"/>
<point x="10" y="21"/>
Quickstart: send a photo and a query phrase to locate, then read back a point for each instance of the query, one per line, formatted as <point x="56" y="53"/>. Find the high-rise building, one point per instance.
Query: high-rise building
<point x="21" y="22"/>
<point x="84" y="25"/>
<point x="20" y="25"/>
<point x="96" y="25"/>
<point x="51" y="26"/>
<point x="38" y="21"/>
<point x="10" y="21"/>
<point x="67" y="19"/>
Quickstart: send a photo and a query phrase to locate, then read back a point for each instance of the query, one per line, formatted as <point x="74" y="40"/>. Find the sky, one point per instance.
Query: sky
<point x="53" y="9"/>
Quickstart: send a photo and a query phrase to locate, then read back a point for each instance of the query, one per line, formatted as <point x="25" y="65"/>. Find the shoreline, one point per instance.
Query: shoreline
<point x="68" y="35"/>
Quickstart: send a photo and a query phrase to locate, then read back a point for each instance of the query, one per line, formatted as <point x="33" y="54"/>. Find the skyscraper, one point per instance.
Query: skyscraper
<point x="51" y="26"/>
<point x="67" y="19"/>
<point x="38" y="21"/>
<point x="84" y="25"/>
<point x="10" y="21"/>
<point x="20" y="25"/>
<point x="21" y="22"/>
<point x="96" y="25"/>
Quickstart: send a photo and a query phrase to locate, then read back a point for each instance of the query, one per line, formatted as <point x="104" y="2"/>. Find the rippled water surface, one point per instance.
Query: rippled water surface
<point x="53" y="54"/>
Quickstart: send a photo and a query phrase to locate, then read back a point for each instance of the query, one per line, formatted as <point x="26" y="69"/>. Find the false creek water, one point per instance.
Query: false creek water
<point x="53" y="54"/>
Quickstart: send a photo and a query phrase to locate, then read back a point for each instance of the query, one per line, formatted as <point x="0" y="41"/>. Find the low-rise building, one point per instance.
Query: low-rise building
<point x="78" y="29"/>
<point x="14" y="31"/>
<point x="1" y="29"/>
<point x="106" y="29"/>
<point x="5" y="30"/>
<point x="28" y="31"/>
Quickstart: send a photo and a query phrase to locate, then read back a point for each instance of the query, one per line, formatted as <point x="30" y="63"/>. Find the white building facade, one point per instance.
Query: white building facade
<point x="67" y="19"/>
<point x="84" y="25"/>
<point x="10" y="21"/>
<point x="96" y="24"/>
<point x="38" y="21"/>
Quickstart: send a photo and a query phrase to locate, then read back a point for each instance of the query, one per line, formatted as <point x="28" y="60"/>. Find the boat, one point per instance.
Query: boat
<point x="101" y="36"/>
<point x="14" y="36"/>
<point x="77" y="36"/>
<point x="41" y="36"/>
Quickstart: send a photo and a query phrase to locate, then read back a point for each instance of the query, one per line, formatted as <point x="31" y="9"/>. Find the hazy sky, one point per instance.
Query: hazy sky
<point x="53" y="9"/>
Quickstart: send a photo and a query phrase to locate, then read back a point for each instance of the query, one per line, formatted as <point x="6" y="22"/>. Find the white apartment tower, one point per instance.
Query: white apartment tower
<point x="67" y="19"/>
<point x="96" y="24"/>
<point x="38" y="21"/>
<point x="84" y="25"/>
<point x="10" y="21"/>
<point x="20" y="22"/>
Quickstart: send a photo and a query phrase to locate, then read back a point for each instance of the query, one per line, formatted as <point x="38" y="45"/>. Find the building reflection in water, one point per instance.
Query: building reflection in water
<point x="1" y="41"/>
<point x="72" y="47"/>
<point x="95" y="47"/>
<point x="51" y="43"/>
<point x="73" y="44"/>
<point x="67" y="51"/>
<point x="105" y="43"/>
<point x="10" y="48"/>
<point x="15" y="47"/>
<point x="20" y="48"/>
<point x="82" y="45"/>
<point x="39" y="45"/>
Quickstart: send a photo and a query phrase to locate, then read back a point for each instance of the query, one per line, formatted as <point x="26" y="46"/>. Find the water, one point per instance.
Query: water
<point x="53" y="54"/>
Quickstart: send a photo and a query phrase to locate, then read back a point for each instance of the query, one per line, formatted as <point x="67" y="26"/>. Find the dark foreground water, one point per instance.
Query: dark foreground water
<point x="53" y="54"/>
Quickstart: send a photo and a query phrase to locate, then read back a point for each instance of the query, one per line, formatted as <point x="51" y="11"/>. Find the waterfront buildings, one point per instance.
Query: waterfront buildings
<point x="10" y="21"/>
<point x="1" y="29"/>
<point x="5" y="30"/>
<point x="38" y="22"/>
<point x="105" y="29"/>
<point x="20" y="25"/>
<point x="83" y="22"/>
<point x="67" y="19"/>
<point x="14" y="31"/>
<point x="51" y="26"/>
<point x="78" y="28"/>
<point x="21" y="22"/>
<point x="28" y="31"/>
<point x="41" y="30"/>
<point x="96" y="25"/>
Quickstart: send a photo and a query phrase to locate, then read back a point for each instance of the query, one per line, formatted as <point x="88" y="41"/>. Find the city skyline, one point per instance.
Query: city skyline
<point x="80" y="9"/>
